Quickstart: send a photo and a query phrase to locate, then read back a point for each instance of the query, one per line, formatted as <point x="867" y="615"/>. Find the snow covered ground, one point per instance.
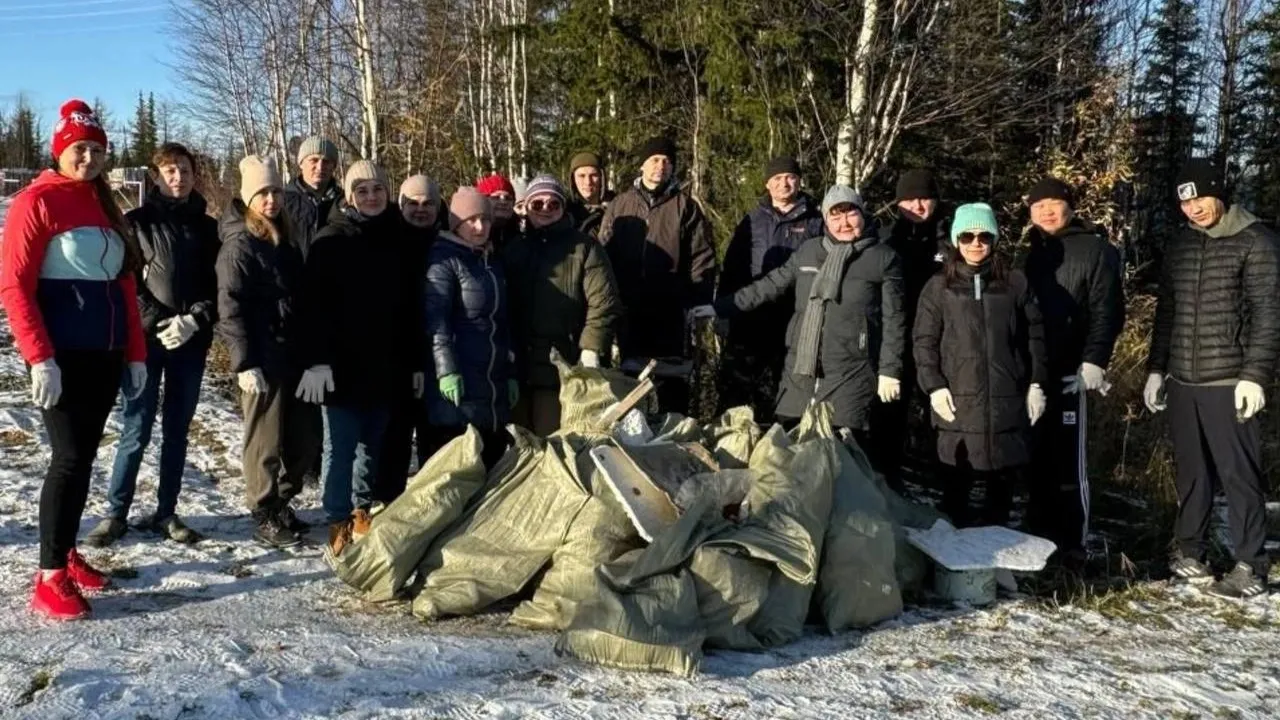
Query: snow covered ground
<point x="226" y="629"/>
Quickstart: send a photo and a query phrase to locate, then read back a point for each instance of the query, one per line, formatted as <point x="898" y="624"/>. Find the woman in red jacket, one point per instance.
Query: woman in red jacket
<point x="67" y="282"/>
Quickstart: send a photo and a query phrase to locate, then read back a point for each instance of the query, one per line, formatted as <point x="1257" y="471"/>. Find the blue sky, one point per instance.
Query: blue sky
<point x="53" y="50"/>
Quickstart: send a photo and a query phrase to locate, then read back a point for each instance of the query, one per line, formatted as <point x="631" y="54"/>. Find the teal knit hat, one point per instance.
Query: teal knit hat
<point x="976" y="218"/>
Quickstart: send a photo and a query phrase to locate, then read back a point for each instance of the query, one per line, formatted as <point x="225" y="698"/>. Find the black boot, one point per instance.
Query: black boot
<point x="271" y="533"/>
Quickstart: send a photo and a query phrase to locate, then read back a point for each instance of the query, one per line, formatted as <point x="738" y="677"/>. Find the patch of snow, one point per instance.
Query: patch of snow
<point x="226" y="629"/>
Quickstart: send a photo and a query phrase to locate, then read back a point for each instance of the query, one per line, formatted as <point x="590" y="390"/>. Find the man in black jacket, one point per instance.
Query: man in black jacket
<point x="767" y="236"/>
<point x="588" y="196"/>
<point x="310" y="196"/>
<point x="919" y="231"/>
<point x="1075" y="274"/>
<point x="1216" y="337"/>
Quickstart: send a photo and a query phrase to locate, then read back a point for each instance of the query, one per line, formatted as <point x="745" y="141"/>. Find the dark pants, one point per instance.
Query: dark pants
<point x="407" y="423"/>
<point x="1210" y="448"/>
<point x="90" y="382"/>
<point x="995" y="488"/>
<point x="181" y="371"/>
<point x="352" y="441"/>
<point x="280" y="445"/>
<point x="538" y="410"/>
<point x="495" y="442"/>
<point x="1059" y="487"/>
<point x="750" y="376"/>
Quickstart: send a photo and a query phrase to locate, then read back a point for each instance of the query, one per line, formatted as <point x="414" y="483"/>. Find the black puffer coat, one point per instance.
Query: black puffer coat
<point x="863" y="333"/>
<point x="988" y="352"/>
<point x="1076" y="278"/>
<point x="309" y="209"/>
<point x="358" y="313"/>
<point x="923" y="247"/>
<point x="468" y="333"/>
<point x="179" y="251"/>
<point x="258" y="287"/>
<point x="1218" y="312"/>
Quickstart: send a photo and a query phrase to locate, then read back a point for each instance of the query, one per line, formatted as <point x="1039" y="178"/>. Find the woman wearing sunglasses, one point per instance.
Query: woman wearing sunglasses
<point x="563" y="296"/>
<point x="980" y="355"/>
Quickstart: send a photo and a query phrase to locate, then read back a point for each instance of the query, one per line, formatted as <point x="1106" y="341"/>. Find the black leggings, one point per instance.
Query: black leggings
<point x="90" y="382"/>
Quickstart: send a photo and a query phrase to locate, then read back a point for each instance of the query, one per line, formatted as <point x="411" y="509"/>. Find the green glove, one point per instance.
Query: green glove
<point x="451" y="388"/>
<point x="513" y="392"/>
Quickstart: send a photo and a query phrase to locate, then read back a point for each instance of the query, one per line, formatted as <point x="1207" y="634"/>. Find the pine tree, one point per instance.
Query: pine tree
<point x="23" y="146"/>
<point x="103" y="114"/>
<point x="1262" y="95"/>
<point x="143" y="144"/>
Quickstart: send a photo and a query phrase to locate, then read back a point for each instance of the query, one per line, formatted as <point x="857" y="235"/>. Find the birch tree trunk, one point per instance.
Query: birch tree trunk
<point x="368" y="84"/>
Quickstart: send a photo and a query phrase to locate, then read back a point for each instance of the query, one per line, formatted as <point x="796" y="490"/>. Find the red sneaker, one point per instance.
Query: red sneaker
<point x="58" y="598"/>
<point x="84" y="575"/>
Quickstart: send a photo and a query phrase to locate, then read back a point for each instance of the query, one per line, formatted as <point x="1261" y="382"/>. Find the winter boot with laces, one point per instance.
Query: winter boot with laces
<point x="292" y="522"/>
<point x="84" y="575"/>
<point x="1241" y="583"/>
<point x="57" y="597"/>
<point x="273" y="534"/>
<point x="361" y="521"/>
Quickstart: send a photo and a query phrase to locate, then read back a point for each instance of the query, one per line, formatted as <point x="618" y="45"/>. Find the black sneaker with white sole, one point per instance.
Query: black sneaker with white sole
<point x="272" y="534"/>
<point x="1241" y="583"/>
<point x="1190" y="570"/>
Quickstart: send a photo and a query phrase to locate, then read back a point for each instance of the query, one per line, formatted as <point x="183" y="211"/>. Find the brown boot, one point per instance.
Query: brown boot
<point x="361" y="521"/>
<point x="339" y="536"/>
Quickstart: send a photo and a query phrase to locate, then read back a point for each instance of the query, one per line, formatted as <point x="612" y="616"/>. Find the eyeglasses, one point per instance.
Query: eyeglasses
<point x="967" y="238"/>
<point x="544" y="205"/>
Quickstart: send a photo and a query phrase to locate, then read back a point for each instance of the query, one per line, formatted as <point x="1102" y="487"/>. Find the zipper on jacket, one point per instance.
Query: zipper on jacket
<point x="1195" y="318"/>
<point x="493" y="345"/>
<point x="111" y="325"/>
<point x="986" y="374"/>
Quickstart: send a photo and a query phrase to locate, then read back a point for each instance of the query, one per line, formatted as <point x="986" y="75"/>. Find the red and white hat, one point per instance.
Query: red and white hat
<point x="76" y="122"/>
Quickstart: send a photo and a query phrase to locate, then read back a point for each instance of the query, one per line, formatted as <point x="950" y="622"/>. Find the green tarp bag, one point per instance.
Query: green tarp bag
<point x="732" y="437"/>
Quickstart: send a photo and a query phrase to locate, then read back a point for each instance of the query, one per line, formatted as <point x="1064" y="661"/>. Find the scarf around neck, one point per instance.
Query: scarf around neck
<point x="826" y="288"/>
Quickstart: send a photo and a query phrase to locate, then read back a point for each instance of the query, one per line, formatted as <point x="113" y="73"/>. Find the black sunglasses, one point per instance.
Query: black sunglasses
<point x="967" y="238"/>
<point x="544" y="205"/>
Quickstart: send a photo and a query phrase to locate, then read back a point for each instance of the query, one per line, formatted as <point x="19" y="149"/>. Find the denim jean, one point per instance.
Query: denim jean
<point x="181" y="370"/>
<point x="352" y="443"/>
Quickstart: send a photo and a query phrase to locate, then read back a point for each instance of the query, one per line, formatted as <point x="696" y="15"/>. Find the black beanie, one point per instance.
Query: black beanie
<point x="1050" y="188"/>
<point x="917" y="185"/>
<point x="782" y="164"/>
<point x="657" y="146"/>
<point x="1199" y="178"/>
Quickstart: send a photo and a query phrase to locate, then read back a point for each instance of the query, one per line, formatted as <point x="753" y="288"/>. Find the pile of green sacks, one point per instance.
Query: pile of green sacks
<point x="789" y="528"/>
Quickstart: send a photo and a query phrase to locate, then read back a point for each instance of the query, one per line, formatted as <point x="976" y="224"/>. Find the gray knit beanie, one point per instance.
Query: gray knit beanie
<point x="317" y="145"/>
<point x="842" y="195"/>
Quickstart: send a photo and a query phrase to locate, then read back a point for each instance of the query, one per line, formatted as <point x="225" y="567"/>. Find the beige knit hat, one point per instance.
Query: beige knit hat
<point x="419" y="186"/>
<point x="360" y="171"/>
<point x="466" y="203"/>
<point x="258" y="174"/>
<point x="316" y="145"/>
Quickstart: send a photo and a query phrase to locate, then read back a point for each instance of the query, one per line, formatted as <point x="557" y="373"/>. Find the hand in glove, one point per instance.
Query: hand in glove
<point x="699" y="312"/>
<point x="943" y="404"/>
<point x="252" y="381"/>
<point x="889" y="389"/>
<point x="316" y="381"/>
<point x="513" y="392"/>
<point x="1152" y="391"/>
<point x="1250" y="399"/>
<point x="587" y="359"/>
<point x="177" y="330"/>
<point x="451" y="388"/>
<point x="137" y="380"/>
<point x="46" y="384"/>
<point x="1089" y="377"/>
<point x="1036" y="403"/>
<point x="419" y="385"/>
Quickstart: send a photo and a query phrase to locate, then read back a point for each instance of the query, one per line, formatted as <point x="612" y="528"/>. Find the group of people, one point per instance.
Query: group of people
<point x="363" y="325"/>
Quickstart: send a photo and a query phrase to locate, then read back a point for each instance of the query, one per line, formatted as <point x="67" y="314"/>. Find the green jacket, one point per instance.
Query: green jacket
<point x="563" y="296"/>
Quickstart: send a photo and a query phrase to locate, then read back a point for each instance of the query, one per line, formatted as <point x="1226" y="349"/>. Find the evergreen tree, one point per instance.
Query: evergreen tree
<point x="143" y="144"/>
<point x="104" y="117"/>
<point x="1262" y="96"/>
<point x="22" y="147"/>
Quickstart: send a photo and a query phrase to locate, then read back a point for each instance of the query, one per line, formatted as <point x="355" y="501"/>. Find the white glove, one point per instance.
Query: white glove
<point x="698" y="313"/>
<point x="46" y="383"/>
<point x="889" y="389"/>
<point x="1089" y="377"/>
<point x="589" y="359"/>
<point x="419" y="385"/>
<point x="1036" y="402"/>
<point x="1250" y="399"/>
<point x="943" y="404"/>
<point x="1151" y="392"/>
<point x="252" y="381"/>
<point x="177" y="330"/>
<point x="316" y="381"/>
<point x="137" y="380"/>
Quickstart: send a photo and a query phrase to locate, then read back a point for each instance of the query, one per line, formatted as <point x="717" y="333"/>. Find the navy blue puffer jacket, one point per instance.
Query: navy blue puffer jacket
<point x="468" y="333"/>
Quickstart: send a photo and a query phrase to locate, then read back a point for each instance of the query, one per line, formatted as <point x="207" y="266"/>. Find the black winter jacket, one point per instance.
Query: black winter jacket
<point x="988" y="352"/>
<point x="588" y="217"/>
<point x="179" y="253"/>
<point x="863" y="334"/>
<point x="762" y="243"/>
<point x="468" y="333"/>
<point x="1218" y="307"/>
<point x="309" y="209"/>
<point x="1075" y="276"/>
<point x="358" y="314"/>
<point x="924" y="248"/>
<point x="258" y="285"/>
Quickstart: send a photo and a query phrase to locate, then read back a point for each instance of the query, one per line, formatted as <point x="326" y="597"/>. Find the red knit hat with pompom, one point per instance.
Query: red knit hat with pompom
<point x="496" y="183"/>
<point x="76" y="122"/>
